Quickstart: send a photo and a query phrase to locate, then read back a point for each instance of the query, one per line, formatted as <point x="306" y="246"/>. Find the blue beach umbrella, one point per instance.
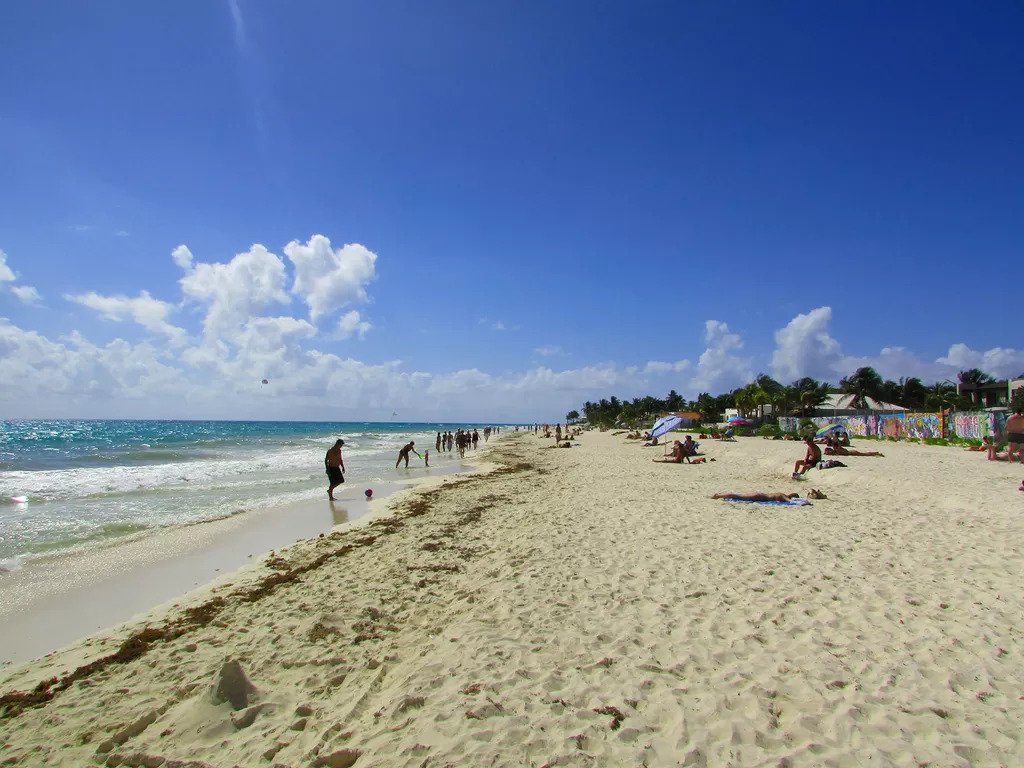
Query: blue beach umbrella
<point x="829" y="429"/>
<point x="664" y="425"/>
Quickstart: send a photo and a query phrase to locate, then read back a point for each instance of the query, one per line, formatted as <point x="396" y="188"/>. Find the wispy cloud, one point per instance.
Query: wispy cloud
<point x="549" y="350"/>
<point x="122" y="233"/>
<point x="247" y="67"/>
<point x="26" y="294"/>
<point x="494" y="325"/>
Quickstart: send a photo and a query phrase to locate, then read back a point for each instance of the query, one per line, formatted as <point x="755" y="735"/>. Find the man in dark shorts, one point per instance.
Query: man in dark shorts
<point x="404" y="454"/>
<point x="335" y="466"/>
<point x="810" y="459"/>
<point x="1015" y="436"/>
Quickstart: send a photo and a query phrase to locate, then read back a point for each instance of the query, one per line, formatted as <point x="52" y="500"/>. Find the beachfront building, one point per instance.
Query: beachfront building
<point x="689" y="417"/>
<point x="990" y="395"/>
<point x="842" y="404"/>
<point x="1014" y="385"/>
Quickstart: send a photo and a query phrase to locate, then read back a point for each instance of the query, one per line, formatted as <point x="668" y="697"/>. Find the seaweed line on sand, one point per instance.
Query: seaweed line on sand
<point x="139" y="643"/>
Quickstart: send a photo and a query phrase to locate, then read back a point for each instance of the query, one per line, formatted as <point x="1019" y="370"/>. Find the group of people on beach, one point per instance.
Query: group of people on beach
<point x="460" y="440"/>
<point x="1014" y="442"/>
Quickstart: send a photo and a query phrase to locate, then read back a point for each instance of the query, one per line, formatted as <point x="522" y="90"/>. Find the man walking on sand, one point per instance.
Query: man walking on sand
<point x="404" y="454"/>
<point x="1015" y="436"/>
<point x="335" y="466"/>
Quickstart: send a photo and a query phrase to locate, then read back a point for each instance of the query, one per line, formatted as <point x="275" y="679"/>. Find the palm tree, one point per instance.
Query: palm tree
<point x="572" y="417"/>
<point x="674" y="401"/>
<point x="862" y="384"/>
<point x="914" y="392"/>
<point x="974" y="377"/>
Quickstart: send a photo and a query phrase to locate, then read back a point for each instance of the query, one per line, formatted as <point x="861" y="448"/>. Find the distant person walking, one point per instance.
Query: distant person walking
<point x="404" y="454"/>
<point x="476" y="438"/>
<point x="335" y="466"/>
<point x="437" y="443"/>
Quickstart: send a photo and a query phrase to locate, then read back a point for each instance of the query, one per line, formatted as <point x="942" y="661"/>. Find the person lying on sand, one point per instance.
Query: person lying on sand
<point x="757" y="496"/>
<point x="762" y="496"/>
<point x="839" y="450"/>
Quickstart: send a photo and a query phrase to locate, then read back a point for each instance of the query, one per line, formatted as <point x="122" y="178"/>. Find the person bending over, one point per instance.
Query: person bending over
<point x="404" y="454"/>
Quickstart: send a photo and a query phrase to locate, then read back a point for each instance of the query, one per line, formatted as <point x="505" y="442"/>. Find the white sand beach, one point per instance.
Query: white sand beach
<point x="584" y="606"/>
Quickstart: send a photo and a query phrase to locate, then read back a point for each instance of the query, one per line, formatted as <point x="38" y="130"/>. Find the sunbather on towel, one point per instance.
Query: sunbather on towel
<point x="759" y="496"/>
<point x="839" y="450"/>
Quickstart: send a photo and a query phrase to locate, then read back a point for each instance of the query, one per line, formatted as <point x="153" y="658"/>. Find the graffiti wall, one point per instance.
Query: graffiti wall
<point x="858" y="426"/>
<point x="965" y="424"/>
<point x="922" y="425"/>
<point x="969" y="425"/>
<point x="978" y="424"/>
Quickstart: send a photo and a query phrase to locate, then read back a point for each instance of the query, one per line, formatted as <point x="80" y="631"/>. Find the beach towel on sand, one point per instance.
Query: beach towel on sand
<point x="790" y="503"/>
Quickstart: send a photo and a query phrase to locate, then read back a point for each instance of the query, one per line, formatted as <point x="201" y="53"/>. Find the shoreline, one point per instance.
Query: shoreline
<point x="53" y="601"/>
<point x="583" y="607"/>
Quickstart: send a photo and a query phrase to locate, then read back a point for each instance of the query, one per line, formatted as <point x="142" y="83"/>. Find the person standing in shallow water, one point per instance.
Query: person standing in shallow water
<point x="404" y="454"/>
<point x="335" y="465"/>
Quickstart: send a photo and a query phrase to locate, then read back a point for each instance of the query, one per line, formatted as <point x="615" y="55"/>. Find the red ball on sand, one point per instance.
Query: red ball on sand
<point x="369" y="492"/>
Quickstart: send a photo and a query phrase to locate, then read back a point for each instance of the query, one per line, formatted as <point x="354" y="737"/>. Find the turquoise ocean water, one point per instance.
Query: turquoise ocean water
<point x="89" y="482"/>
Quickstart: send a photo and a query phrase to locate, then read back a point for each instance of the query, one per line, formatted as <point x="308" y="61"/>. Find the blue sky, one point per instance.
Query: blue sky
<point x="546" y="202"/>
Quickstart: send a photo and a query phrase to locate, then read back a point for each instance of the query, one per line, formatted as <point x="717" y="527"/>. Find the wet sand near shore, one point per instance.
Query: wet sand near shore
<point x="55" y="601"/>
<point x="586" y="606"/>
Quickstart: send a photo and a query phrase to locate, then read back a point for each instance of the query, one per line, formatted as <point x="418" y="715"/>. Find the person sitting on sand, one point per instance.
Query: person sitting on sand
<point x="986" y="443"/>
<point x="676" y="457"/>
<point x="838" y="450"/>
<point x="810" y="459"/>
<point x="689" y="447"/>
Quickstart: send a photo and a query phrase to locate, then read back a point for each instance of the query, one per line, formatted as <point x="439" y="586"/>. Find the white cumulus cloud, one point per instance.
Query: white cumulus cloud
<point x="328" y="279"/>
<point x="718" y="368"/>
<point x="805" y="348"/>
<point x="148" y="312"/>
<point x="236" y="291"/>
<point x="351" y="323"/>
<point x="1001" y="362"/>
<point x="182" y="257"/>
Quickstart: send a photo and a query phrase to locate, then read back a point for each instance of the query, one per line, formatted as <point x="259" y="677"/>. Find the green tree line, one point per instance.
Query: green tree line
<point x="796" y="399"/>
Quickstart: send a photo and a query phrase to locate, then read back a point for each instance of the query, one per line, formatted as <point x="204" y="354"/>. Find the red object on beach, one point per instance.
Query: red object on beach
<point x="369" y="492"/>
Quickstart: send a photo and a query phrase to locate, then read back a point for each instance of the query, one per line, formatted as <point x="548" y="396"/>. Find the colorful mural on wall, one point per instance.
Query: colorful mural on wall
<point x="968" y="425"/>
<point x="922" y="425"/>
